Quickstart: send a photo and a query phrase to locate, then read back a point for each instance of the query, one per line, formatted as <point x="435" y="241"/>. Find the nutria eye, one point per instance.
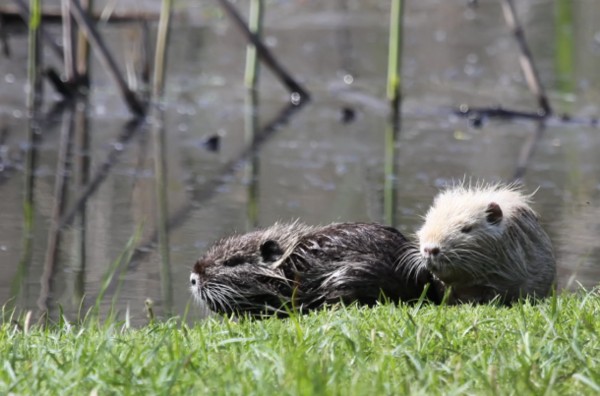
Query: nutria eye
<point x="194" y="282"/>
<point x="232" y="262"/>
<point x="466" y="229"/>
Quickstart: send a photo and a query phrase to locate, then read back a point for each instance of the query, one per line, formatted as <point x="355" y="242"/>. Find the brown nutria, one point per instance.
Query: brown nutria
<point x="305" y="267"/>
<point x="486" y="242"/>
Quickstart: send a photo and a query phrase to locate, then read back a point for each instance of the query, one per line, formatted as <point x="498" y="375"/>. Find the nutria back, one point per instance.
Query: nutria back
<point x="485" y="241"/>
<point x="295" y="266"/>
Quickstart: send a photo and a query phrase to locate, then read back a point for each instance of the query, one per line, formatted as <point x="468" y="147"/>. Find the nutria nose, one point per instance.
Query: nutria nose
<point x="431" y="251"/>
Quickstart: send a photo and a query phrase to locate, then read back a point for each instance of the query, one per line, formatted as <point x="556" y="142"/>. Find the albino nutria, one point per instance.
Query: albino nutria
<point x="486" y="241"/>
<point x="289" y="266"/>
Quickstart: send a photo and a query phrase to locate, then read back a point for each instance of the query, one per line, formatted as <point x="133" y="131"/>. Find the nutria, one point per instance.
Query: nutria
<point x="287" y="266"/>
<point x="486" y="242"/>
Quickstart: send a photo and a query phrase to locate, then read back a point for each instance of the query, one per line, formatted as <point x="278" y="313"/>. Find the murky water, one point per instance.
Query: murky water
<point x="317" y="166"/>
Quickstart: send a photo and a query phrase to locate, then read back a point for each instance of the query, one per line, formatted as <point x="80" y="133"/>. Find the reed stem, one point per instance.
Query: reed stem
<point x="4" y="38"/>
<point x="34" y="68"/>
<point x="24" y="11"/>
<point x="266" y="56"/>
<point x="83" y="48"/>
<point x="33" y="102"/>
<point x="160" y="160"/>
<point x="146" y="54"/>
<point x="394" y="95"/>
<point x="251" y="112"/>
<point x="68" y="45"/>
<point x="564" y="57"/>
<point x="160" y="58"/>
<point x="394" y="79"/>
<point x="33" y="105"/>
<point x="255" y="26"/>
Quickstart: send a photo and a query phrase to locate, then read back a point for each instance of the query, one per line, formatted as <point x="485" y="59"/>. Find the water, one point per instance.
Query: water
<point x="317" y="167"/>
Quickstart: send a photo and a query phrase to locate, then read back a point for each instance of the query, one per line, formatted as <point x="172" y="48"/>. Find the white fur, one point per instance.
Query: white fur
<point x="479" y="258"/>
<point x="465" y="205"/>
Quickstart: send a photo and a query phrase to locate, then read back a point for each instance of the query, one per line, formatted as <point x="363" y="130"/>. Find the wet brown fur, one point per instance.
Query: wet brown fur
<point x="289" y="266"/>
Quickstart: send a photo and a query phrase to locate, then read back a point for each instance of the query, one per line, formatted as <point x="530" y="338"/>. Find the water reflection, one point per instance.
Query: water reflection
<point x="527" y="151"/>
<point x="18" y="285"/>
<point x="390" y="185"/>
<point x="53" y="240"/>
<point x="279" y="161"/>
<point x="118" y="148"/>
<point x="577" y="245"/>
<point x="81" y="177"/>
<point x="162" y="215"/>
<point x="252" y="170"/>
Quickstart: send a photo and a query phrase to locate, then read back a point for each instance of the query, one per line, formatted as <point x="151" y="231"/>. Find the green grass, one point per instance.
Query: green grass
<point x="549" y="348"/>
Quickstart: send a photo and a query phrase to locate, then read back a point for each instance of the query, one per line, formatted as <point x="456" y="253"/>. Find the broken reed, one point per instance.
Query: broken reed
<point x="526" y="58"/>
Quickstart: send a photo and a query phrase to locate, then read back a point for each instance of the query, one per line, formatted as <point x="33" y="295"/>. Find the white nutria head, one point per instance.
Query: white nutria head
<point x="485" y="240"/>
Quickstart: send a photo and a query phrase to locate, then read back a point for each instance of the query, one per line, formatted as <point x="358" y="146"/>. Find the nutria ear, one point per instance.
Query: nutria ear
<point x="493" y="213"/>
<point x="200" y="266"/>
<point x="270" y="251"/>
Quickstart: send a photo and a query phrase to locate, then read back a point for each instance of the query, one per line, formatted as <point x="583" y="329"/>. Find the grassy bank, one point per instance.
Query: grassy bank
<point x="550" y="348"/>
